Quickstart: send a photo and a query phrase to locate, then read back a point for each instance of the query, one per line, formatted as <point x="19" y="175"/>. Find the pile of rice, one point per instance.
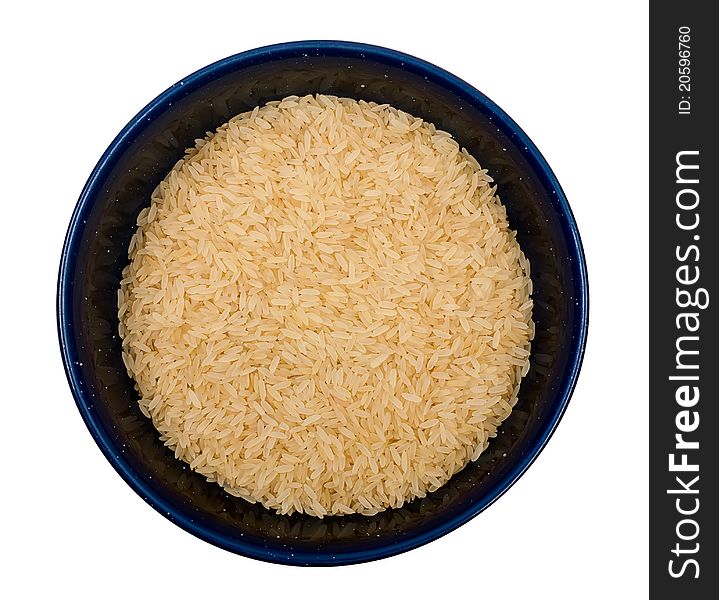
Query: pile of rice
<point x="325" y="310"/>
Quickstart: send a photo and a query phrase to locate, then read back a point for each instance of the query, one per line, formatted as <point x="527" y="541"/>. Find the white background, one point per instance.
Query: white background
<point x="574" y="77"/>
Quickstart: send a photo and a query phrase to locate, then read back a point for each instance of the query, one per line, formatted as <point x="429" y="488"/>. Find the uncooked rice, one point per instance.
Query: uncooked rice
<point x="325" y="310"/>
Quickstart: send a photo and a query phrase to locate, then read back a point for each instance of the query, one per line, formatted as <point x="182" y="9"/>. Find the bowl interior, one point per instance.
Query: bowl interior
<point x="97" y="252"/>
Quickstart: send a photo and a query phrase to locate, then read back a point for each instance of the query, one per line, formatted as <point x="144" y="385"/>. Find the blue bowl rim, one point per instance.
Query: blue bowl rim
<point x="199" y="78"/>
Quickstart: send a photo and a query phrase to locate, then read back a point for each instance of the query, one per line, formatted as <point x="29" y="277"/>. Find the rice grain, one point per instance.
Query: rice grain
<point x="325" y="309"/>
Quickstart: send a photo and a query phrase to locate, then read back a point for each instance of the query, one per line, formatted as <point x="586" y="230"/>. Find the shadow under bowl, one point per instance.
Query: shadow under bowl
<point x="95" y="253"/>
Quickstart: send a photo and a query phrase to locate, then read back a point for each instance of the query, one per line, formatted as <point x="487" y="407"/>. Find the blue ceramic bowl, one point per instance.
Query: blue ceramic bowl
<point x="119" y="187"/>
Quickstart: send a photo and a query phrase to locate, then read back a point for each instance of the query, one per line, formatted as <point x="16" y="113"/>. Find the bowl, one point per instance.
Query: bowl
<point x="95" y="252"/>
